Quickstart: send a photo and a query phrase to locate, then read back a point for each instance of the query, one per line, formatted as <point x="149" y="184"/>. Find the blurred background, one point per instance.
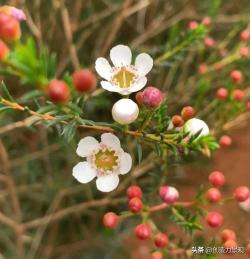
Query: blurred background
<point x="63" y="219"/>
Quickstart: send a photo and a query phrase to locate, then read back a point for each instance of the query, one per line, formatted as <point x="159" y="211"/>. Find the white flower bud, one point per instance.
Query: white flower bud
<point x="195" y="125"/>
<point x="125" y="111"/>
<point x="245" y="205"/>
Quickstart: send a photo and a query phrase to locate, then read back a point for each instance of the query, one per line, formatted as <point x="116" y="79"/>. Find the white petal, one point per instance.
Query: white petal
<point x="121" y="55"/>
<point x="103" y="68"/>
<point x="110" y="140"/>
<point x="126" y="163"/>
<point x="138" y="85"/>
<point x="143" y="63"/>
<point x="86" y="146"/>
<point x="83" y="172"/>
<point x="109" y="87"/>
<point x="107" y="183"/>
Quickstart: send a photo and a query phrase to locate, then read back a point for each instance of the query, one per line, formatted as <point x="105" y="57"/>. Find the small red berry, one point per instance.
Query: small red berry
<point x="177" y="121"/>
<point x="143" y="231"/>
<point x="236" y="76"/>
<point x="217" y="179"/>
<point x="187" y="113"/>
<point x="169" y="194"/>
<point x="207" y="21"/>
<point x="9" y="28"/>
<point x="214" y="219"/>
<point x="241" y="193"/>
<point x="110" y="220"/>
<point x="152" y="97"/>
<point x="228" y="234"/>
<point x="238" y="95"/>
<point x="213" y="195"/>
<point x="193" y="25"/>
<point x="134" y="192"/>
<point x="135" y="205"/>
<point x="222" y="94"/>
<point x="209" y="42"/>
<point x="248" y="249"/>
<point x="4" y="51"/>
<point x="58" y="91"/>
<point x="225" y="141"/>
<point x="244" y="52"/>
<point x="84" y="80"/>
<point x="161" y="240"/>
<point x="248" y="106"/>
<point x="245" y="35"/>
<point x="202" y="68"/>
<point x="139" y="98"/>
<point x="156" y="255"/>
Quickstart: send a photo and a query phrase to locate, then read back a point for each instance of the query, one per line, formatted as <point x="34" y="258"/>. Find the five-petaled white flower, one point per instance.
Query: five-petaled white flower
<point x="104" y="160"/>
<point x="123" y="77"/>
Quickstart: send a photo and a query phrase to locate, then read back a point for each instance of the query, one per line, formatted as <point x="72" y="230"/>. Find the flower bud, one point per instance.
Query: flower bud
<point x="134" y="192"/>
<point x="244" y="52"/>
<point x="161" y="240"/>
<point x="228" y="234"/>
<point x="245" y="205"/>
<point x="236" y="76"/>
<point x="230" y="244"/>
<point x="139" y="98"/>
<point x="248" y="106"/>
<point x="125" y="111"/>
<point x="143" y="231"/>
<point x="248" y="249"/>
<point x="209" y="42"/>
<point x="213" y="195"/>
<point x="187" y="113"/>
<point x="241" y="193"/>
<point x="214" y="219"/>
<point x="245" y="35"/>
<point x="110" y="220"/>
<point x="225" y="141"/>
<point x="58" y="91"/>
<point x="193" y="25"/>
<point x="238" y="95"/>
<point x="222" y="94"/>
<point x="194" y="125"/>
<point x="135" y="205"/>
<point x="217" y="179"/>
<point x="4" y="51"/>
<point x="152" y="97"/>
<point x="177" y="121"/>
<point x="9" y="28"/>
<point x="14" y="12"/>
<point x="207" y="21"/>
<point x="202" y="68"/>
<point x="156" y="255"/>
<point x="169" y="194"/>
<point x="84" y="80"/>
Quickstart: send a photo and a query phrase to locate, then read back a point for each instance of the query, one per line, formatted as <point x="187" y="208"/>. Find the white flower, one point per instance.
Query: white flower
<point x="123" y="77"/>
<point x="125" y="111"/>
<point x="104" y="160"/>
<point x="245" y="205"/>
<point x="194" y="126"/>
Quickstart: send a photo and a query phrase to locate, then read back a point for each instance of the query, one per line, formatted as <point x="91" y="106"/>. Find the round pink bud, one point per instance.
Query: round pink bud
<point x="202" y="68"/>
<point x="134" y="192"/>
<point x="139" y="98"/>
<point x="110" y="220"/>
<point x="169" y="194"/>
<point x="135" y="205"/>
<point x="156" y="255"/>
<point x="161" y="240"/>
<point x="222" y="94"/>
<point x="214" y="219"/>
<point x="209" y="42"/>
<point x="213" y="195"/>
<point x="236" y="76"/>
<point x="217" y="179"/>
<point x="245" y="35"/>
<point x="241" y="193"/>
<point x="152" y="97"/>
<point x="193" y="25"/>
<point x="244" y="52"/>
<point x="238" y="95"/>
<point x="248" y="106"/>
<point x="228" y="234"/>
<point x="207" y="21"/>
<point x="225" y="141"/>
<point x="143" y="231"/>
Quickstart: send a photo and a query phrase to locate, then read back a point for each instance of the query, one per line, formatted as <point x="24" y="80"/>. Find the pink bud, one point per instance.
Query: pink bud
<point x="169" y="194"/>
<point x="152" y="97"/>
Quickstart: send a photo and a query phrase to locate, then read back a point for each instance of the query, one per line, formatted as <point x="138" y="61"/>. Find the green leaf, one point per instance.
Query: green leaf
<point x="6" y="93"/>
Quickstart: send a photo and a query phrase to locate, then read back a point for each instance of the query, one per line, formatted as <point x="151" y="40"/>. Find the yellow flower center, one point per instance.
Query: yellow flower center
<point x="124" y="78"/>
<point x="106" y="160"/>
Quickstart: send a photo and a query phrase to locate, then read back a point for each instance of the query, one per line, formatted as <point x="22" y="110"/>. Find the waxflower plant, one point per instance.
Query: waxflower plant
<point x="125" y="127"/>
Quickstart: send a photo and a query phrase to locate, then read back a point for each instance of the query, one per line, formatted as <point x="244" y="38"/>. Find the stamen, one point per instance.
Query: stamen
<point x="124" y="77"/>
